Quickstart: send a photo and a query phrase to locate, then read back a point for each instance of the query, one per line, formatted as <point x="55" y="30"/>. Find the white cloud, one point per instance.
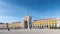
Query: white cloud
<point x="5" y="7"/>
<point x="7" y="19"/>
<point x="7" y="10"/>
<point x="4" y="4"/>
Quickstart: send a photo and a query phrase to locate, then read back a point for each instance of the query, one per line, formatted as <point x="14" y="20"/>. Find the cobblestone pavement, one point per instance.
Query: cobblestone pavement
<point x="33" y="31"/>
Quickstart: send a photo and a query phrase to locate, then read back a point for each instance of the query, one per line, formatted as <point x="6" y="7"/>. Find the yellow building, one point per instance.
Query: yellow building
<point x="15" y="25"/>
<point x="41" y="23"/>
<point x="45" y="23"/>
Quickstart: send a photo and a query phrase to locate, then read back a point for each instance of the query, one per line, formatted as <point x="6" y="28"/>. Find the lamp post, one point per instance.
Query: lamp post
<point x="7" y="26"/>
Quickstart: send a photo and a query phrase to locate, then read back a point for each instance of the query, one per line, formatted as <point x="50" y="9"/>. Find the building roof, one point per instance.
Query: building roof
<point x="45" y="19"/>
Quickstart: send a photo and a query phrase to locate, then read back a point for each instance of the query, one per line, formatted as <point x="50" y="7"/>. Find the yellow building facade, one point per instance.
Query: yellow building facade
<point x="40" y="24"/>
<point x="11" y="26"/>
<point x="15" y="25"/>
<point x="45" y="23"/>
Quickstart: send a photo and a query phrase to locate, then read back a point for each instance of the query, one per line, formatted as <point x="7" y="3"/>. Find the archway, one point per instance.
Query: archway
<point x="25" y="24"/>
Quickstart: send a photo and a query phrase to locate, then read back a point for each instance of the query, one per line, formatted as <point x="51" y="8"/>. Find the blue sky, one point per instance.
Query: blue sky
<point x="14" y="10"/>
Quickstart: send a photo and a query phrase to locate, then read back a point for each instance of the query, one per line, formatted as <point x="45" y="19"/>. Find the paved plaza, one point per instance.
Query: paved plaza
<point x="33" y="31"/>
